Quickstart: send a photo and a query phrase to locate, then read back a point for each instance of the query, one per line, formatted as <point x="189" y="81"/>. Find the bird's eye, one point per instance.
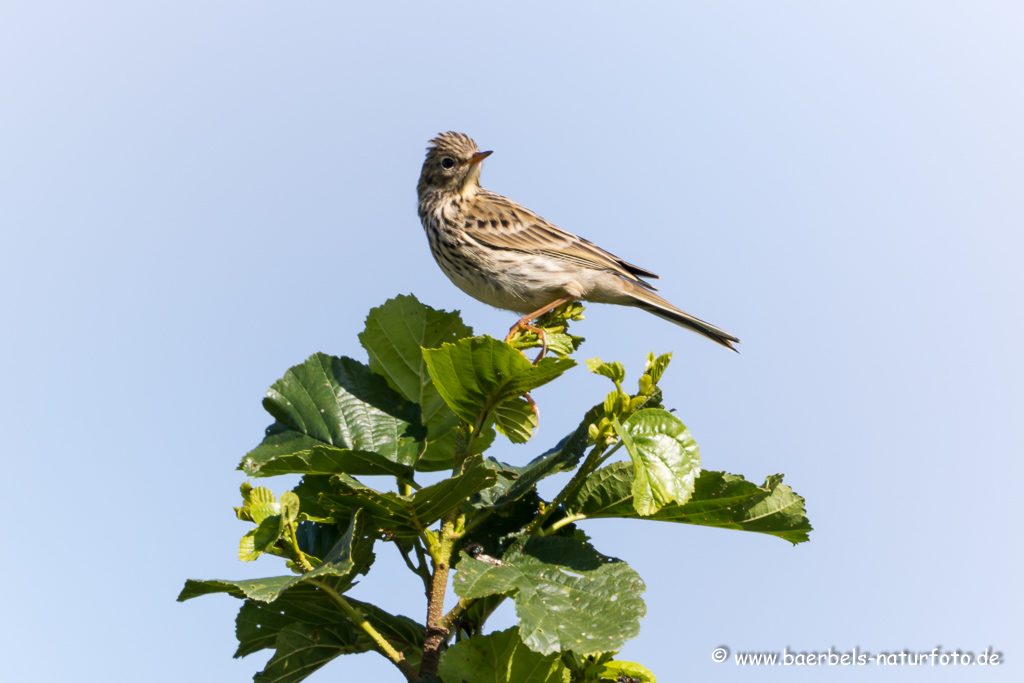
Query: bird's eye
<point x="447" y="162"/>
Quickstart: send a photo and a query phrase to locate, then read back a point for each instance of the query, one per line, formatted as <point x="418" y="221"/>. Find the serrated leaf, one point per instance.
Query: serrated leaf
<point x="338" y="403"/>
<point x="481" y="378"/>
<point x="719" y="500"/>
<point x="666" y="460"/>
<point x="351" y="555"/>
<point x="613" y="371"/>
<point x="395" y="335"/>
<point x="411" y="515"/>
<point x="499" y="657"/>
<point x="568" y="596"/>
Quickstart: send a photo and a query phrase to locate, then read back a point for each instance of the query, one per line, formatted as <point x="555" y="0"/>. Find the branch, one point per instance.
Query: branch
<point x="441" y="553"/>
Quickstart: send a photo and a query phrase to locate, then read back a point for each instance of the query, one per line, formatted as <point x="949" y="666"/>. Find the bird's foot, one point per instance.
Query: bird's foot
<point x="523" y="324"/>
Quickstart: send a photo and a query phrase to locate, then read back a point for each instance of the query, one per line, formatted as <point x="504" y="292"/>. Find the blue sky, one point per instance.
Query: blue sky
<point x="195" y="196"/>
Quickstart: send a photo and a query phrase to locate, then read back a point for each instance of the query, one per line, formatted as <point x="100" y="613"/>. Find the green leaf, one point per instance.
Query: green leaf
<point x="556" y="331"/>
<point x="614" y="669"/>
<point x="308" y="630"/>
<point x="258" y="503"/>
<point x="317" y="539"/>
<point x="411" y="515"/>
<point x="395" y="335"/>
<point x="655" y="366"/>
<point x="350" y="556"/>
<point x="289" y="507"/>
<point x="440" y="453"/>
<point x="326" y="460"/>
<point x="302" y="649"/>
<point x="514" y="482"/>
<point x="336" y="404"/>
<point x="267" y="533"/>
<point x="308" y="491"/>
<point x="719" y="500"/>
<point x="568" y="596"/>
<point x="481" y="378"/>
<point x="247" y="547"/>
<point x="666" y="460"/>
<point x="613" y="371"/>
<point x="500" y="657"/>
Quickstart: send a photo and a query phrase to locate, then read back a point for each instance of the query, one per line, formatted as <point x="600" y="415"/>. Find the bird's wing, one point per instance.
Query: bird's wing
<point x="500" y="223"/>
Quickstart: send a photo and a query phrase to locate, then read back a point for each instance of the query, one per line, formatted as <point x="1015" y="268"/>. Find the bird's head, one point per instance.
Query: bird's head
<point x="452" y="165"/>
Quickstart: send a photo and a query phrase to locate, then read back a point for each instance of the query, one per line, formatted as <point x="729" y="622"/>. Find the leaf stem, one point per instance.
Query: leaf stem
<point x="568" y="519"/>
<point x="299" y="555"/>
<point x="359" y="619"/>
<point x="592" y="462"/>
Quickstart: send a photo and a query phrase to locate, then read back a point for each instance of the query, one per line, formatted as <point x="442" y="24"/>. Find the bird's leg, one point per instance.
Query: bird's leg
<point x="524" y="324"/>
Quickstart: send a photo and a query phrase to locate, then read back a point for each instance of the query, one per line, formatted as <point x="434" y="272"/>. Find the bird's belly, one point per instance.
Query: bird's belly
<point x="514" y="281"/>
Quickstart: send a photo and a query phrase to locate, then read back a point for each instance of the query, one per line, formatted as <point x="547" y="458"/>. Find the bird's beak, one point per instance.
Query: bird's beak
<point x="476" y="158"/>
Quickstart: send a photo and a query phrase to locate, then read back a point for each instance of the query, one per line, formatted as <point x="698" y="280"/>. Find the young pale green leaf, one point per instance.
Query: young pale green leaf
<point x="478" y="376"/>
<point x="556" y="331"/>
<point x="501" y="657"/>
<point x="395" y="335"/>
<point x="350" y="556"/>
<point x="719" y="500"/>
<point x="257" y="504"/>
<point x="247" y="547"/>
<point x="411" y="515"/>
<point x="613" y="371"/>
<point x="617" y="670"/>
<point x="666" y="460"/>
<point x="568" y="596"/>
<point x="339" y="404"/>
<point x="655" y="366"/>
<point x="289" y="507"/>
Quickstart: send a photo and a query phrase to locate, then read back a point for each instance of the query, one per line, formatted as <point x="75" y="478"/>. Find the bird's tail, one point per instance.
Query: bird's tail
<point x="652" y="303"/>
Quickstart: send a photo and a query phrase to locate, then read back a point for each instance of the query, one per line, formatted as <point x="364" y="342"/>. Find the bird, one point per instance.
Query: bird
<point x="507" y="256"/>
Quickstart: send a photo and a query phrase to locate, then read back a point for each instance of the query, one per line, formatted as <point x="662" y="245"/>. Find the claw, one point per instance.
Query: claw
<point x="539" y="331"/>
<point x="524" y="324"/>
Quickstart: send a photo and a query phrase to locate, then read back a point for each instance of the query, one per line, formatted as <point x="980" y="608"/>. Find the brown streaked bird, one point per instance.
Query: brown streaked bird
<point x="507" y="256"/>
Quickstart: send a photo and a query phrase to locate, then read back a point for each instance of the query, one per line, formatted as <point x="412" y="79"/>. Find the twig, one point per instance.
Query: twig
<point x="359" y="619"/>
